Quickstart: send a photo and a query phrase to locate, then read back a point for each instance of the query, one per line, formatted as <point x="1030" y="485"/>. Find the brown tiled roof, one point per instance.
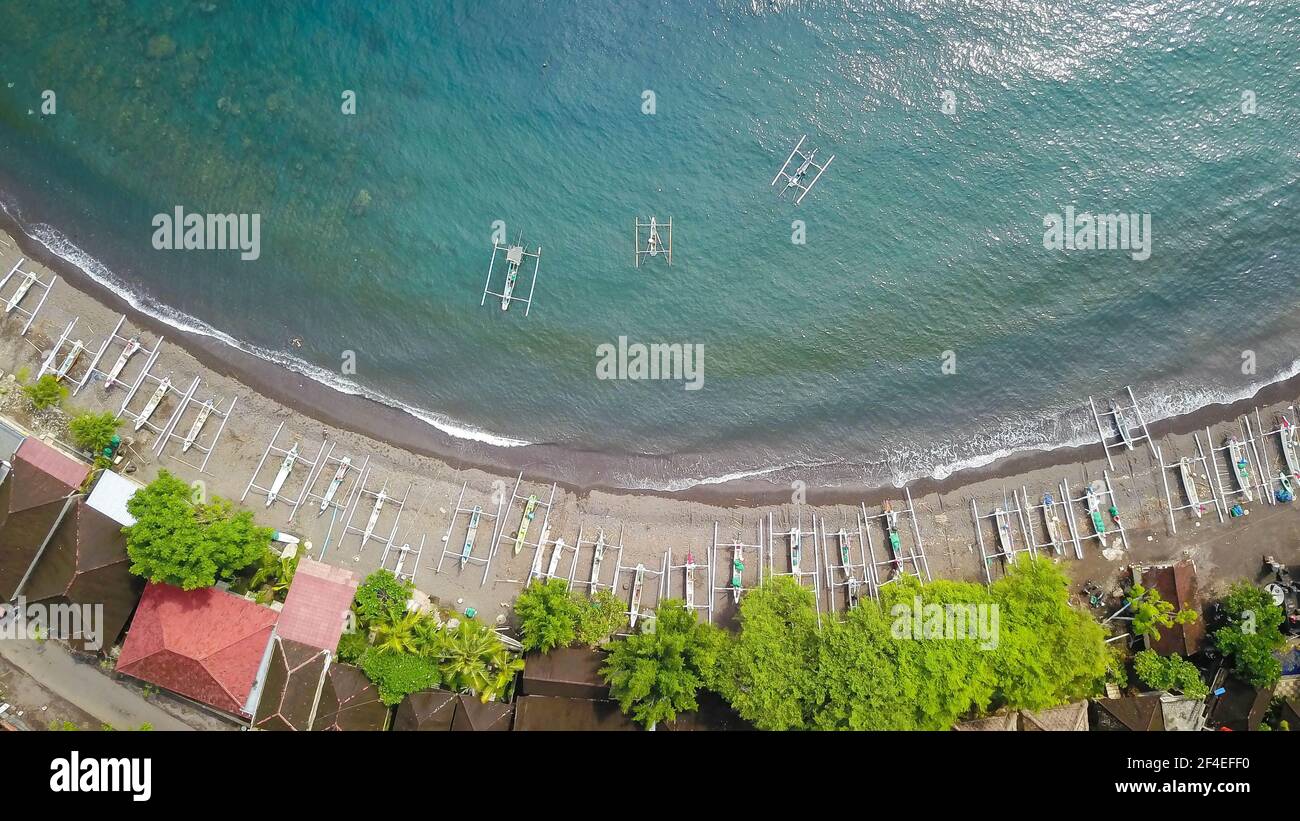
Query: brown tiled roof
<point x="85" y="562"/>
<point x="426" y="710"/>
<point x="32" y="497"/>
<point x="1176" y="584"/>
<point x="582" y="714"/>
<point x="294" y="679"/>
<point x="349" y="701"/>
<point x="1069" y="718"/>
<point x="992" y="723"/>
<point x="1138" y="713"/>
<point x="472" y="714"/>
<point x="570" y="672"/>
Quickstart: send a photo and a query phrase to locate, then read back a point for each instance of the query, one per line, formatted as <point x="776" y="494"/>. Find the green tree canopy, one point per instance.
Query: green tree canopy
<point x="178" y="541"/>
<point x="1170" y="673"/>
<point x="398" y="674"/>
<point x="473" y="659"/>
<point x="1252" y="634"/>
<point x="548" y="615"/>
<point x="378" y="595"/>
<point x="1151" y="612"/>
<point x="93" y="431"/>
<point x="769" y="672"/>
<point x="657" y="673"/>
<point x="599" y="617"/>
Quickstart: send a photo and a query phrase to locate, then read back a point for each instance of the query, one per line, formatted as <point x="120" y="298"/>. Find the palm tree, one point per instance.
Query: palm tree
<point x="473" y="659"/>
<point x="397" y="631"/>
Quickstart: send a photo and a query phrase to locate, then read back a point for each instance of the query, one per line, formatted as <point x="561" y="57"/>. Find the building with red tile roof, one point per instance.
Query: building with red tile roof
<point x="207" y="645"/>
<point x="317" y="605"/>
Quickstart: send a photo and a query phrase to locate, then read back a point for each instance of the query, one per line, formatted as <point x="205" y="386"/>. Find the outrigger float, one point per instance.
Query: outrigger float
<point x="794" y="181"/>
<point x="654" y="245"/>
<point x="515" y="255"/>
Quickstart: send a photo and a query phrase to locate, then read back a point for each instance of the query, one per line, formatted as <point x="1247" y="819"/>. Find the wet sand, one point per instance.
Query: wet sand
<point x="410" y="459"/>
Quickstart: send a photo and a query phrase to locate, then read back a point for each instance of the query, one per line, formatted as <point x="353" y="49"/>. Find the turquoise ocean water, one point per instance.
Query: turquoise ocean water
<point x="924" y="236"/>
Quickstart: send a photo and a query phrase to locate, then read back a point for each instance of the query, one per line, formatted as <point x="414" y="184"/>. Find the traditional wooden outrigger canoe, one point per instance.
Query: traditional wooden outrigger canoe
<point x="1185" y="473"/>
<point x="474" y="516"/>
<point x="844" y="553"/>
<point x="855" y="591"/>
<point x="285" y="467"/>
<point x="1004" y="529"/>
<point x="204" y="413"/>
<point x="1053" y="524"/>
<point x="637" y="584"/>
<point x="70" y="359"/>
<point x="152" y="404"/>
<point x="597" y="555"/>
<point x="556" y="553"/>
<point x="891" y="527"/>
<point x="530" y="510"/>
<point x="380" y="498"/>
<point x="690" y="579"/>
<point x="131" y="347"/>
<point x="1240" y="467"/>
<point x="1121" y="426"/>
<point x="1286" y="432"/>
<point x="335" y="484"/>
<point x="737" y="570"/>
<point x="29" y="279"/>
<point x="1093" y="501"/>
<point x="796" y="549"/>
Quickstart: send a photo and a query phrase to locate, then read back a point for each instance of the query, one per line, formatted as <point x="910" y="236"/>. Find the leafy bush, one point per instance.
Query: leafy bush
<point x="548" y="615"/>
<point x="179" y="542"/>
<point x="93" y="431"/>
<point x="598" y="617"/>
<point x="46" y="392"/>
<point x="398" y="674"/>
<point x="1172" y="673"/>
<point x="352" y="646"/>
<point x="656" y="674"/>
<point x="1252" y="634"/>
<point x="880" y="670"/>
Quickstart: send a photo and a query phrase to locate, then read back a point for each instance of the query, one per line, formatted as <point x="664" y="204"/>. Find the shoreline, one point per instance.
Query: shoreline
<point x="399" y="428"/>
<point x="421" y="535"/>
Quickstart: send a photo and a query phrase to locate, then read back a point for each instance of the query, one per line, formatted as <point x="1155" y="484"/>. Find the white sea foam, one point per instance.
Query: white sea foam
<point x="904" y="463"/>
<point x="65" y="249"/>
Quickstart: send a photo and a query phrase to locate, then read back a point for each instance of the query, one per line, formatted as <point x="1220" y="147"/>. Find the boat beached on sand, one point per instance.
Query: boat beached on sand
<point x="131" y="347"/>
<point x="637" y="584"/>
<point x="335" y="484"/>
<point x="530" y="510"/>
<point x="1053" y="524"/>
<point x="152" y="404"/>
<point x="204" y="413"/>
<point x="285" y="467"/>
<point x="690" y="579"/>
<point x="1185" y="473"/>
<point x="1286" y="432"/>
<point x="737" y="570"/>
<point x="474" y="516"/>
<point x="1240" y="467"/>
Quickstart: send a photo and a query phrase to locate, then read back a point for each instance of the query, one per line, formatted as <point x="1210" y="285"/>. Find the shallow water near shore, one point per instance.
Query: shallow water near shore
<point x="824" y="359"/>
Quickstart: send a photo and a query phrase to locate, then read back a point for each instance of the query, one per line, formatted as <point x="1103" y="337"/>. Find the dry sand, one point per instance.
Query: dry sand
<point x="650" y="523"/>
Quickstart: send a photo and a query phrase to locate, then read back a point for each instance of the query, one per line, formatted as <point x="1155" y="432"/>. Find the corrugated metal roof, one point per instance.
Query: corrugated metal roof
<point x="110" y="494"/>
